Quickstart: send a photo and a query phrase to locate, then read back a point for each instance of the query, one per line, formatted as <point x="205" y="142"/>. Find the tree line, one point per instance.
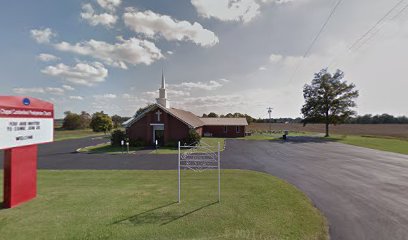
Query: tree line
<point x="378" y="119"/>
<point x="98" y="122"/>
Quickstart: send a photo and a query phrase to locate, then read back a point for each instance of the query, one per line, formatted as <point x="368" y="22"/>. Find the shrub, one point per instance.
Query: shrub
<point x="72" y="121"/>
<point x="101" y="122"/>
<point x="117" y="136"/>
<point x="137" y="143"/>
<point x="192" y="138"/>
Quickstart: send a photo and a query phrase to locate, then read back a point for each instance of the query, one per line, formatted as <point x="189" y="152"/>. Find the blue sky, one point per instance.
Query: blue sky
<point x="218" y="55"/>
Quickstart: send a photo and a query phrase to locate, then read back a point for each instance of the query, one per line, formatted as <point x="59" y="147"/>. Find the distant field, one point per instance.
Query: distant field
<point x="387" y="130"/>
<point x="60" y="134"/>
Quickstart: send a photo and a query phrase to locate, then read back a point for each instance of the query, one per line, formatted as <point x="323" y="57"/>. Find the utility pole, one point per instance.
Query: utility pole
<point x="270" y="119"/>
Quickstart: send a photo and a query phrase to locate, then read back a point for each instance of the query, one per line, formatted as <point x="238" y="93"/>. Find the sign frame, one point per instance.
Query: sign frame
<point x="21" y="115"/>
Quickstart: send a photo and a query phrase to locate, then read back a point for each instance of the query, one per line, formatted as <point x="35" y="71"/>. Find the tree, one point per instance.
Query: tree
<point x="328" y="99"/>
<point x="101" y="122"/>
<point x="142" y="109"/>
<point x="117" y="121"/>
<point x="72" y="121"/>
<point x="85" y="119"/>
<point x="212" y="115"/>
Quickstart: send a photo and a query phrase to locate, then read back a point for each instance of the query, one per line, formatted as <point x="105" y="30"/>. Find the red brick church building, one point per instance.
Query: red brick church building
<point x="165" y="124"/>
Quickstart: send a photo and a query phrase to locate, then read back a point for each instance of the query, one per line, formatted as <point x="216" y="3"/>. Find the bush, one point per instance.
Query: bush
<point x="117" y="136"/>
<point x="137" y="143"/>
<point x="192" y="138"/>
<point x="72" y="121"/>
<point x="101" y="122"/>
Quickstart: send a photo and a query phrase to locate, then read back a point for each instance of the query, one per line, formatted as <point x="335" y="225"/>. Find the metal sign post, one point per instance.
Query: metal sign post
<point x="179" y="172"/>
<point x="199" y="158"/>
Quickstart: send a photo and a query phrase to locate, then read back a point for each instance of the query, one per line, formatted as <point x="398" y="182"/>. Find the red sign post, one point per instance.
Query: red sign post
<point x="24" y="123"/>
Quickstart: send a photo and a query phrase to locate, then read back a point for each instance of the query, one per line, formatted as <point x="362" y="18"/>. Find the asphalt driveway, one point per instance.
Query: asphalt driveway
<point x="362" y="192"/>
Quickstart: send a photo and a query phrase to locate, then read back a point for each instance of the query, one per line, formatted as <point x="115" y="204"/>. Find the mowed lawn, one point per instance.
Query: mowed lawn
<point x="60" y="134"/>
<point x="142" y="205"/>
<point x="374" y="142"/>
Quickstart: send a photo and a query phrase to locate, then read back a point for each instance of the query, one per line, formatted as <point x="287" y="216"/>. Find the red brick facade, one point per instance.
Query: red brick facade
<point x="174" y="129"/>
<point x="224" y="131"/>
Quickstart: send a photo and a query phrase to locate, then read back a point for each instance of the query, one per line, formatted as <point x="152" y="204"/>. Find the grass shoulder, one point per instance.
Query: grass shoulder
<point x="387" y="144"/>
<point x="211" y="141"/>
<point x="109" y="149"/>
<point x="277" y="135"/>
<point x="142" y="205"/>
<point x="61" y="134"/>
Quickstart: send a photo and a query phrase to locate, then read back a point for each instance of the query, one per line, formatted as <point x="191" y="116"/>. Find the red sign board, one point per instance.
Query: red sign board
<point x="24" y="123"/>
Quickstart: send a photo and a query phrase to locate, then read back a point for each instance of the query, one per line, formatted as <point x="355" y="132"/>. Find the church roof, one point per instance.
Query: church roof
<point x="186" y="117"/>
<point x="224" y="121"/>
<point x="190" y="119"/>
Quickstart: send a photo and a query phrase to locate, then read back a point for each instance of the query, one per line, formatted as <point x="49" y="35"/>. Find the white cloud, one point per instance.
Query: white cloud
<point x="42" y="35"/>
<point x="55" y="91"/>
<point x="105" y="19"/>
<point x="211" y="85"/>
<point x="109" y="5"/>
<point x="76" y="98"/>
<point x="283" y="1"/>
<point x="28" y="90"/>
<point x="68" y="87"/>
<point x="177" y="93"/>
<point x="45" y="57"/>
<point x="227" y="10"/>
<point x="262" y="68"/>
<point x="80" y="74"/>
<point x="170" y="52"/>
<point x="275" y="58"/>
<point x="41" y="90"/>
<point x="152" y="24"/>
<point x="106" y="96"/>
<point x="133" y="51"/>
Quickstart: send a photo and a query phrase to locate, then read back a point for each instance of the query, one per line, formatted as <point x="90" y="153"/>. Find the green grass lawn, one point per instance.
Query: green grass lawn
<point x="275" y="136"/>
<point x="374" y="142"/>
<point x="108" y="148"/>
<point x="60" y="134"/>
<point x="141" y="205"/>
<point x="211" y="141"/>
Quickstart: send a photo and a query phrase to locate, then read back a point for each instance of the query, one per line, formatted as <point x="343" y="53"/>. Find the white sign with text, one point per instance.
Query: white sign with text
<point x="17" y="132"/>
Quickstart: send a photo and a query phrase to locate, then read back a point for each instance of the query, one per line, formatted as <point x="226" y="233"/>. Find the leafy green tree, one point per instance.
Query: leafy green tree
<point x="101" y="122"/>
<point x="212" y="115"/>
<point x="142" y="109"/>
<point x="117" y="121"/>
<point x="85" y="119"/>
<point x="72" y="121"/>
<point x="328" y="99"/>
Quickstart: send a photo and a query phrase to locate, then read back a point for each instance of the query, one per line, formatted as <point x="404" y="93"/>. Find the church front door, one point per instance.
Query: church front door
<point x="159" y="134"/>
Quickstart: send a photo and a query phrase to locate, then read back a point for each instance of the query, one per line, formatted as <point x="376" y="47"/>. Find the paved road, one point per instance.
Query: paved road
<point x="63" y="155"/>
<point x="362" y="192"/>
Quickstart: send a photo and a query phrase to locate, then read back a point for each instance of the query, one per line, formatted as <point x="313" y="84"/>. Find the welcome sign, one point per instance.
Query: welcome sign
<point x="25" y="121"/>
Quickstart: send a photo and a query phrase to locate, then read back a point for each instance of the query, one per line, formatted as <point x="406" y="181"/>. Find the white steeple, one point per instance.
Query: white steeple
<point x="162" y="100"/>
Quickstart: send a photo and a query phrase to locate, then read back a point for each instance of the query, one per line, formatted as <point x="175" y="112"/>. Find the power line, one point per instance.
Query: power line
<point x="376" y="24"/>
<point x="373" y="34"/>
<point x="316" y="38"/>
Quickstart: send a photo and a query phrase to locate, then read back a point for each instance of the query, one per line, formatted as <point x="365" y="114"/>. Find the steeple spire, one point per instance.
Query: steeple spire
<point x="162" y="100"/>
<point x="163" y="80"/>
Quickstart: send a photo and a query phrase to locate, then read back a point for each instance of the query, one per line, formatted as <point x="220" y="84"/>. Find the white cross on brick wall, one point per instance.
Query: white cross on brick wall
<point x="158" y="113"/>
